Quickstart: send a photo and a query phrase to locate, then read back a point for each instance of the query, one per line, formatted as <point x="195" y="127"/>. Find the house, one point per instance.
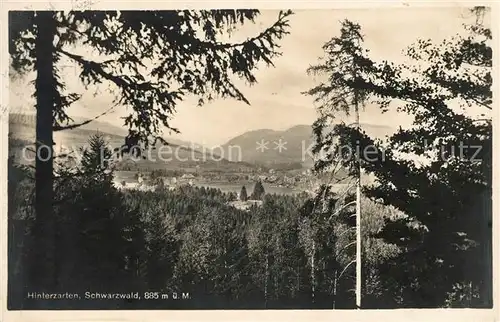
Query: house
<point x="272" y="179"/>
<point x="288" y="180"/>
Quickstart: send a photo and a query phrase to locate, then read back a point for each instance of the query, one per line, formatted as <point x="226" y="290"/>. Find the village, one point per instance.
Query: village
<point x="171" y="179"/>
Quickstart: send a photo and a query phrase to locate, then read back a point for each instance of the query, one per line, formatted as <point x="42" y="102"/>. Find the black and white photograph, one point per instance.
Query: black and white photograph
<point x="249" y="159"/>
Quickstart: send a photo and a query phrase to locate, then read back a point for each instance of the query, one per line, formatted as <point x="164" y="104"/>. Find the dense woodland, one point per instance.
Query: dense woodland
<point x="426" y="229"/>
<point x="190" y="240"/>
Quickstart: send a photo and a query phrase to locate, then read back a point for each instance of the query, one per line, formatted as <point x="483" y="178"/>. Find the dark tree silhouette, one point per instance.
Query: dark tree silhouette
<point x="96" y="159"/>
<point x="258" y="191"/>
<point x="447" y="199"/>
<point x="98" y="237"/>
<point x="339" y="93"/>
<point x="243" y="194"/>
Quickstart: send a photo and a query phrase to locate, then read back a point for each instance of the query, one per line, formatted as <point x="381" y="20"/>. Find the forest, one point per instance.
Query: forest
<point x="190" y="237"/>
<point x="426" y="228"/>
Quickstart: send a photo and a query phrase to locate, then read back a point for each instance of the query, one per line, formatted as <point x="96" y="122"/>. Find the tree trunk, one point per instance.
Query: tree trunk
<point x="266" y="279"/>
<point x="43" y="264"/>
<point x="313" y="271"/>
<point x="335" y="289"/>
<point x="358" y="206"/>
<point x="486" y="245"/>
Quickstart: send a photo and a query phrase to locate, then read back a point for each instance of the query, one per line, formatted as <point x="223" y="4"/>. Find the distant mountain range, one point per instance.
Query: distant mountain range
<point x="264" y="147"/>
<point x="179" y="154"/>
<point x="23" y="126"/>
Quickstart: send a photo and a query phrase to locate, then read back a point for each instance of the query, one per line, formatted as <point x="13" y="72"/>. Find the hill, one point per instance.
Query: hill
<point x="24" y="125"/>
<point x="278" y="148"/>
<point x="177" y="155"/>
<point x="270" y="147"/>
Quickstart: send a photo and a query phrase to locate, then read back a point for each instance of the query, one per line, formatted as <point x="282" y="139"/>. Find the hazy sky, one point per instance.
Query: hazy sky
<point x="276" y="101"/>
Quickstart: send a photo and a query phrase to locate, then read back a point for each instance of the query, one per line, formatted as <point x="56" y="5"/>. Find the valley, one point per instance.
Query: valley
<point x="189" y="163"/>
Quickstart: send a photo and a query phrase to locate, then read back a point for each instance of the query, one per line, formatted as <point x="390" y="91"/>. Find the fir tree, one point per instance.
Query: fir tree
<point x="96" y="158"/>
<point x="258" y="191"/>
<point x="243" y="194"/>
<point x="100" y="240"/>
<point x="340" y="93"/>
<point x="447" y="198"/>
<point x="187" y="63"/>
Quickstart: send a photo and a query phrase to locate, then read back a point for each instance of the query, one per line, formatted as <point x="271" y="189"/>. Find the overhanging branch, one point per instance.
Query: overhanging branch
<point x="73" y="126"/>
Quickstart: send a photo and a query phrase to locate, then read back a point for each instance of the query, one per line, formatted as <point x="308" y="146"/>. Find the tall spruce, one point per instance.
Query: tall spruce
<point x="96" y="158"/>
<point x="444" y="187"/>
<point x="258" y="191"/>
<point x="450" y="195"/>
<point x="243" y="194"/>
<point x="99" y="239"/>
<point x="153" y="60"/>
<point x="340" y="94"/>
